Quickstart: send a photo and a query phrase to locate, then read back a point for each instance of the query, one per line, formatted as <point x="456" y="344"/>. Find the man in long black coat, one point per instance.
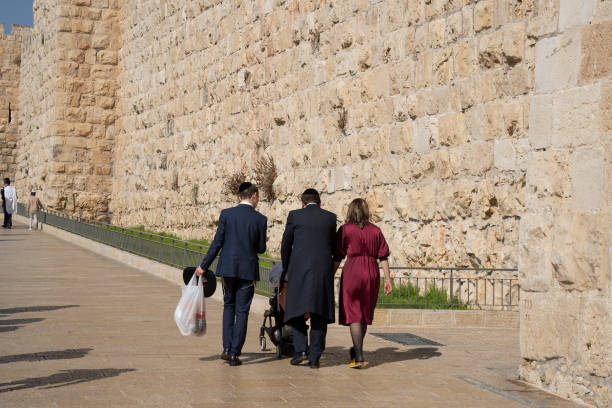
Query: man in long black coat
<point x="306" y="251"/>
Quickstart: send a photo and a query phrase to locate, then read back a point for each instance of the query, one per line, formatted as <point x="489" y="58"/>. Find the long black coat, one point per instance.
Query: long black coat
<point x="307" y="251"/>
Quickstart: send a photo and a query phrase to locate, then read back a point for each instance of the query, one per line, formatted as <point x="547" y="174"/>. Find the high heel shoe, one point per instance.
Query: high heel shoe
<point x="356" y="364"/>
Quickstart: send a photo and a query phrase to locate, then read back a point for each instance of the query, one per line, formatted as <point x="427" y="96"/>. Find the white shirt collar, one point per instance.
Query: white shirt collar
<point x="246" y="202"/>
<point x="311" y="204"/>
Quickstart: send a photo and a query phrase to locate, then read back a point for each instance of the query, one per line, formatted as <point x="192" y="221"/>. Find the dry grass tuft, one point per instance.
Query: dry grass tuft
<point x="233" y="181"/>
<point x="265" y="174"/>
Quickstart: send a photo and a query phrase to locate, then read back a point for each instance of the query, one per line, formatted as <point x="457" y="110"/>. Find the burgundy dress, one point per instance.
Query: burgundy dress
<point x="360" y="279"/>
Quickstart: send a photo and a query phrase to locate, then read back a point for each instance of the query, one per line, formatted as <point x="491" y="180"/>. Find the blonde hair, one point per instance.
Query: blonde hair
<point x="358" y="213"/>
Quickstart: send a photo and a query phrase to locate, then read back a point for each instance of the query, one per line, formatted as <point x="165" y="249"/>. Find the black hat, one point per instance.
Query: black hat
<point x="209" y="283"/>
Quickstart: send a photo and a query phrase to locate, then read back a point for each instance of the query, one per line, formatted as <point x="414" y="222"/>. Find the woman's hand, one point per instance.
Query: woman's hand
<point x="388" y="287"/>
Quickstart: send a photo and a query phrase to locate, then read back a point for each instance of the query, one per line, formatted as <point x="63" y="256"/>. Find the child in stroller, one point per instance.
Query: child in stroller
<point x="273" y="326"/>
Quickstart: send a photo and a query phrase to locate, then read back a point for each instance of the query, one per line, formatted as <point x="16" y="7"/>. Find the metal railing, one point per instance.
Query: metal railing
<point x="167" y="250"/>
<point x="413" y="287"/>
<point x="453" y="288"/>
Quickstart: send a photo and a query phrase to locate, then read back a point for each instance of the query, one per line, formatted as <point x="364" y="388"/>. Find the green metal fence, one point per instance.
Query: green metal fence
<point x="413" y="287"/>
<point x="170" y="251"/>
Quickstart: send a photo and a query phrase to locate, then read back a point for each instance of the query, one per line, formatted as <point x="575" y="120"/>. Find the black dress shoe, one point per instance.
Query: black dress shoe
<point x="234" y="360"/>
<point x="298" y="358"/>
<point x="314" y="363"/>
<point x="225" y="355"/>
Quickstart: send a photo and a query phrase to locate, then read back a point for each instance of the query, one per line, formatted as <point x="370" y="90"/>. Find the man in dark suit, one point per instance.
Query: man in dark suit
<point x="242" y="235"/>
<point x="306" y="251"/>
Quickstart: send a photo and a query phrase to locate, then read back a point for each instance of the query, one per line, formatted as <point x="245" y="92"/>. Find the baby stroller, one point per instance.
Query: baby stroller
<point x="273" y="326"/>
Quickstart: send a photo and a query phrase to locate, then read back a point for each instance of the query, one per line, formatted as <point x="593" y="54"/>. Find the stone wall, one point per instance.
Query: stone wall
<point x="10" y="62"/>
<point x="420" y="106"/>
<point x="566" y="232"/>
<point x="68" y="91"/>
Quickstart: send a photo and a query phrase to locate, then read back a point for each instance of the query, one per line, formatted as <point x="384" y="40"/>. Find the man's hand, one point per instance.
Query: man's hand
<point x="199" y="271"/>
<point x="388" y="287"/>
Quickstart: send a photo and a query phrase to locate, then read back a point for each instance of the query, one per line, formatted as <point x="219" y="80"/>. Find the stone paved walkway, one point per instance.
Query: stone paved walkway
<point x="80" y="330"/>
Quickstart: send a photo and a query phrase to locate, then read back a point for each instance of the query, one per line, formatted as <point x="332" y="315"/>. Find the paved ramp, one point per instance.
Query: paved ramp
<point x="81" y="330"/>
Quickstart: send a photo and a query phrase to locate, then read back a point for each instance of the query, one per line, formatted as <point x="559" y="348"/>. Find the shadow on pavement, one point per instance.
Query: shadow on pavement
<point x="4" y="329"/>
<point x="46" y="355"/>
<point x="247" y="358"/>
<point x="63" y="378"/>
<point x="12" y="324"/>
<point x="335" y="356"/>
<point x="393" y="354"/>
<point x="34" y="309"/>
<point x="20" y="321"/>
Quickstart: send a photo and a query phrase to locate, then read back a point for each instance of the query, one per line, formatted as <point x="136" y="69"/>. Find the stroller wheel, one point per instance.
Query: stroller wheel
<point x="262" y="343"/>
<point x="279" y="353"/>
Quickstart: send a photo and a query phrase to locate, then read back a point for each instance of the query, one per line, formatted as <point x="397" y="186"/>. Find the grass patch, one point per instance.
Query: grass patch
<point x="411" y="297"/>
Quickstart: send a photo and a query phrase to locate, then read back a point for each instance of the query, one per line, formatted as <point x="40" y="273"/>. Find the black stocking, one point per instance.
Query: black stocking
<point x="358" y="331"/>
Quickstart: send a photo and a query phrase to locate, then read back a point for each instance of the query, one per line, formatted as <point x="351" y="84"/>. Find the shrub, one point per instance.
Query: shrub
<point x="232" y="182"/>
<point x="265" y="174"/>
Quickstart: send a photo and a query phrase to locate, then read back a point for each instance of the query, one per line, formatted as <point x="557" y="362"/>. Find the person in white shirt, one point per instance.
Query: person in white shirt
<point x="9" y="203"/>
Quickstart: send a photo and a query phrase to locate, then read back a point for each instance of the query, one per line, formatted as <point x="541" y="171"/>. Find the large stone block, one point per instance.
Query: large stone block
<point x="514" y="43"/>
<point x="505" y="155"/>
<point x="588" y="174"/>
<point x="452" y="130"/>
<point x="425" y="135"/>
<point x="490" y="50"/>
<point x="465" y="59"/>
<point x="437" y="30"/>
<point x="597" y="332"/>
<point x="548" y="178"/>
<point x="596" y="52"/>
<point x="376" y="83"/>
<point x="558" y="62"/>
<point x="576" y="117"/>
<point x="545" y="313"/>
<point x="540" y="121"/>
<point x="535" y="250"/>
<point x="576" y="12"/>
<point x="580" y="251"/>
<point x="483" y="15"/>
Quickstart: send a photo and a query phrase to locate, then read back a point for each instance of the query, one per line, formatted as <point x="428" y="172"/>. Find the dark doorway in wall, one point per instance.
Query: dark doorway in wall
<point x="10" y="114"/>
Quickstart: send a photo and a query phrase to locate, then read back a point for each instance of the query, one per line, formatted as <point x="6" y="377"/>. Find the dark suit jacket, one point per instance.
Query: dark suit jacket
<point x="306" y="251"/>
<point x="242" y="235"/>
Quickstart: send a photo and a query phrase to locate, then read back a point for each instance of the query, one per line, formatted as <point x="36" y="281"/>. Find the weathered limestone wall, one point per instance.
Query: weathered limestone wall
<point x="435" y="95"/>
<point x="566" y="232"/>
<point x="10" y="62"/>
<point x="68" y="91"/>
<point x="36" y="97"/>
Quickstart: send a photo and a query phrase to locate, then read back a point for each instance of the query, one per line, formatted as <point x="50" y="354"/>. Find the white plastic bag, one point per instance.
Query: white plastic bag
<point x="190" y="313"/>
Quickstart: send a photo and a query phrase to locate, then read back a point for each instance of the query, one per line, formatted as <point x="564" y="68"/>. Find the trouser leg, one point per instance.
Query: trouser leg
<point x="10" y="220"/>
<point x="229" y="307"/>
<point x="298" y="326"/>
<point x="30" y="218"/>
<point x="318" y="332"/>
<point x="244" y="296"/>
<point x="36" y="221"/>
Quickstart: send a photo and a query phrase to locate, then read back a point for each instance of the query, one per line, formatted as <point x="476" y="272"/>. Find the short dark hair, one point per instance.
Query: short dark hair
<point x="310" y="195"/>
<point x="33" y="193"/>
<point x="246" y="190"/>
<point x="7" y="180"/>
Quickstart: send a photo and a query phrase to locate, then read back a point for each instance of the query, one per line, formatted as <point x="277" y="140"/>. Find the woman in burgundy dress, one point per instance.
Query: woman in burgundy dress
<point x="363" y="244"/>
